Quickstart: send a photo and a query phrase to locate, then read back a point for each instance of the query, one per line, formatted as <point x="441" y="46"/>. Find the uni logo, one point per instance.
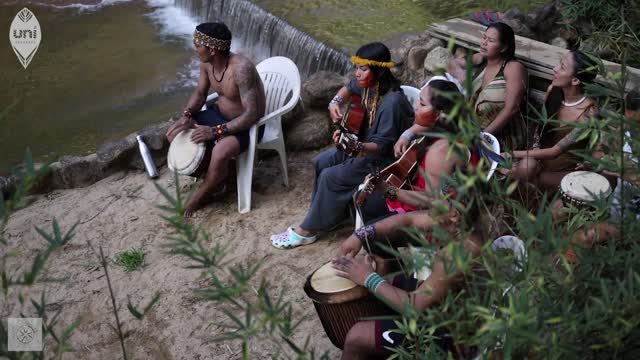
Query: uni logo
<point x="25" y="36"/>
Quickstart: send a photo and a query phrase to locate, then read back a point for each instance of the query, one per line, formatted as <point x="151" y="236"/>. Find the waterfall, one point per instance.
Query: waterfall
<point x="259" y="34"/>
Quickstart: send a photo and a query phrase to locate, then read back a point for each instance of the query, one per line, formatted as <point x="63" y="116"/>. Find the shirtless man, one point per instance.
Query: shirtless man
<point x="241" y="103"/>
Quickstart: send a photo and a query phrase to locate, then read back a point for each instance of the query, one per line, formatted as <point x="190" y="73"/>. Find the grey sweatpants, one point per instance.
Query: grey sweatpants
<point x="337" y="177"/>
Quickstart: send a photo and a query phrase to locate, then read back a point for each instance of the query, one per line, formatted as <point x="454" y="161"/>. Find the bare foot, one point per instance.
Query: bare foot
<point x="200" y="199"/>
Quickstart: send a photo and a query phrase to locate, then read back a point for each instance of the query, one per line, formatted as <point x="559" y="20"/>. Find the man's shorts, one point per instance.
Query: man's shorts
<point x="212" y="117"/>
<point x="385" y="335"/>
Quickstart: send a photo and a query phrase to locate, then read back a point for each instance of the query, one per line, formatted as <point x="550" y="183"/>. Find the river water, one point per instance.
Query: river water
<point x="105" y="70"/>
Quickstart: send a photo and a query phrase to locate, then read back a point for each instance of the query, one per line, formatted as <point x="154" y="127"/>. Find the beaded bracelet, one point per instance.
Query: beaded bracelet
<point x="391" y="193"/>
<point x="221" y="130"/>
<point x="337" y="100"/>
<point x="365" y="233"/>
<point x="407" y="134"/>
<point x="373" y="281"/>
<point x="187" y="113"/>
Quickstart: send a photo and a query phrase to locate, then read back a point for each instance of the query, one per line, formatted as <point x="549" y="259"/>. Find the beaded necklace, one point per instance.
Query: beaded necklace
<point x="371" y="102"/>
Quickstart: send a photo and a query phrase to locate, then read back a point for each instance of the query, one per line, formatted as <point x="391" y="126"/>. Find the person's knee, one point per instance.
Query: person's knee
<point x="526" y="169"/>
<point x="358" y="339"/>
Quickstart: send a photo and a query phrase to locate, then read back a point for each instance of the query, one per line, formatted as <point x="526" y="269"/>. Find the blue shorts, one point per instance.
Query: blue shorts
<point x="212" y="117"/>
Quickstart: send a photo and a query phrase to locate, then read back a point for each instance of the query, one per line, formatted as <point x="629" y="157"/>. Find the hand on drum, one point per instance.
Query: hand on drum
<point x="182" y="124"/>
<point x="353" y="269"/>
<point x="335" y="113"/>
<point x="203" y="133"/>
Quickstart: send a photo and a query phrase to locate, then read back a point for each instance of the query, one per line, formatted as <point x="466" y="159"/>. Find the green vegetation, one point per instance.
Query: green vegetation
<point x="607" y="26"/>
<point x="130" y="260"/>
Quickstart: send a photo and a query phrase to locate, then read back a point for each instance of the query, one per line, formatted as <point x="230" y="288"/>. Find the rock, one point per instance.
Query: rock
<point x="415" y="59"/>
<point x="559" y="42"/>
<point x="312" y="132"/>
<point x="7" y="185"/>
<point x="154" y="135"/>
<point x="519" y="27"/>
<point x="321" y="87"/>
<point x="117" y="152"/>
<point x="75" y="171"/>
<point x="295" y="114"/>
<point x="437" y="58"/>
<point x="434" y="43"/>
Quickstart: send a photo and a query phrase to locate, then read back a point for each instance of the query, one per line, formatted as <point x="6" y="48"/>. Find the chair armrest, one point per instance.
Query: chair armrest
<point x="212" y="97"/>
<point x="281" y="111"/>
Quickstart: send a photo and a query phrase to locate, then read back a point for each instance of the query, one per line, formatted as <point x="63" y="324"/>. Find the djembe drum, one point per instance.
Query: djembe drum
<point x="340" y="303"/>
<point x="581" y="188"/>
<point x="185" y="156"/>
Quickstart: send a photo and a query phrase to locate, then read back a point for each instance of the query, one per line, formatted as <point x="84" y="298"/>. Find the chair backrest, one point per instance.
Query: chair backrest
<point x="281" y="80"/>
<point x="494" y="145"/>
<point x="412" y="94"/>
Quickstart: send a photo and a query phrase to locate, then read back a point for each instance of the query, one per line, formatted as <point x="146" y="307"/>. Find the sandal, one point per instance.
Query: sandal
<point x="290" y="239"/>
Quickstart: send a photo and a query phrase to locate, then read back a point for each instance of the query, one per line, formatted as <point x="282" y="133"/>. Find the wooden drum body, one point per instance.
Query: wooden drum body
<point x="581" y="188"/>
<point x="340" y="303"/>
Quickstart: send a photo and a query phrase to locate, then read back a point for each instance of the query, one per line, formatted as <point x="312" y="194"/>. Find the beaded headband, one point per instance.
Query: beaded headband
<point x="206" y="40"/>
<point x="361" y="61"/>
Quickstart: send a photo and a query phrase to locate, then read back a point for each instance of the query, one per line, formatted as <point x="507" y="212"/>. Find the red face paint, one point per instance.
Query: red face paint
<point x="427" y="118"/>
<point x="635" y="115"/>
<point x="366" y="81"/>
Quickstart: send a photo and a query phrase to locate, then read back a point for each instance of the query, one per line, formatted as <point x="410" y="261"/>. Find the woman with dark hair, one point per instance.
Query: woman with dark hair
<point x="499" y="89"/>
<point x="412" y="208"/>
<point x="388" y="114"/>
<point x="368" y="338"/>
<point x="552" y="157"/>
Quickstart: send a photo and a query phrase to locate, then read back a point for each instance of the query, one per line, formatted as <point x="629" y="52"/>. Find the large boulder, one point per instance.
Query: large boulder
<point x="311" y="132"/>
<point x="415" y="59"/>
<point x="438" y="58"/>
<point x="75" y="171"/>
<point x="321" y="87"/>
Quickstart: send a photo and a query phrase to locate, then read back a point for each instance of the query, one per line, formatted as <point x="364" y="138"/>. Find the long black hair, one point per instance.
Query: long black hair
<point x="379" y="52"/>
<point x="444" y="95"/>
<point x="507" y="40"/>
<point x="632" y="100"/>
<point x="585" y="69"/>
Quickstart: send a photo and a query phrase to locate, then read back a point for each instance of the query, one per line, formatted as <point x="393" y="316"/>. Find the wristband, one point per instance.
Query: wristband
<point x="187" y="113"/>
<point x="337" y="100"/>
<point x="359" y="146"/>
<point x="365" y="233"/>
<point x="373" y="281"/>
<point x="221" y="130"/>
<point x="407" y="134"/>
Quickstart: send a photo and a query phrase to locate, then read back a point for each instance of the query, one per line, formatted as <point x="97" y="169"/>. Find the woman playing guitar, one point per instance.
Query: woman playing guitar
<point x="436" y="100"/>
<point x="387" y="114"/>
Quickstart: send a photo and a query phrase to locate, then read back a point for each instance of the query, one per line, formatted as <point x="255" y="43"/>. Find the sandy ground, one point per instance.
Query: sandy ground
<point x="120" y="213"/>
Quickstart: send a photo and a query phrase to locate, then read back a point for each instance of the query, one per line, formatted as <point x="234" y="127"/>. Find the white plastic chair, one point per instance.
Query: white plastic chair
<point x="494" y="145"/>
<point x="281" y="80"/>
<point x="412" y="94"/>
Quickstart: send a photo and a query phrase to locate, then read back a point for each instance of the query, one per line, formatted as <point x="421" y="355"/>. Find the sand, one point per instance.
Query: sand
<point x="120" y="213"/>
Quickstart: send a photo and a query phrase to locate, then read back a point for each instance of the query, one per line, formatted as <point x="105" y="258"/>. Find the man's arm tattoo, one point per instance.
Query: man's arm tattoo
<point x="245" y="78"/>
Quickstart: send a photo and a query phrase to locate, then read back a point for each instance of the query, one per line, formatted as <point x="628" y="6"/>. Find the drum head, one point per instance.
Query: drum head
<point x="325" y="280"/>
<point x="185" y="155"/>
<point x="585" y="185"/>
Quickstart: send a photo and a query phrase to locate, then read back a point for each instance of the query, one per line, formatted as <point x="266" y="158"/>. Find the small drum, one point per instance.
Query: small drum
<point x="185" y="156"/>
<point x="341" y="303"/>
<point x="580" y="188"/>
